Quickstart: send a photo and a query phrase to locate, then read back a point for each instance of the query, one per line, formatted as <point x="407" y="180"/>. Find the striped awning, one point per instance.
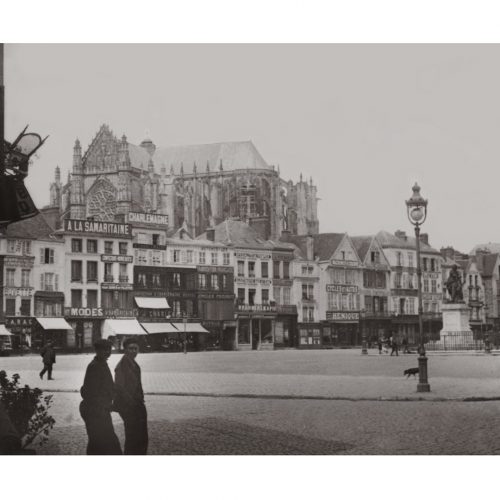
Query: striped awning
<point x="159" y="327"/>
<point x="190" y="327"/>
<point x="54" y="324"/>
<point x="114" y="327"/>
<point x="152" y="302"/>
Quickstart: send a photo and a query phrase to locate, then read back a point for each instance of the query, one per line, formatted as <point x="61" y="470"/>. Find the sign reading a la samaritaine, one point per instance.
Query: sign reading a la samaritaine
<point x="160" y="219"/>
<point x="99" y="227"/>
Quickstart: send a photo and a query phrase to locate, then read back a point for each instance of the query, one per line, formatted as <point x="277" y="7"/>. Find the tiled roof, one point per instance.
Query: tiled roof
<point x="389" y="240"/>
<point x="233" y="155"/>
<point x="488" y="263"/>
<point x="362" y="245"/>
<point x="490" y="247"/>
<point x="326" y="243"/>
<point x="239" y="234"/>
<point x="32" y="228"/>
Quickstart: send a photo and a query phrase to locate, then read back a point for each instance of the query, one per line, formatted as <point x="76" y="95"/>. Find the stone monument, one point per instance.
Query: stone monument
<point x="456" y="333"/>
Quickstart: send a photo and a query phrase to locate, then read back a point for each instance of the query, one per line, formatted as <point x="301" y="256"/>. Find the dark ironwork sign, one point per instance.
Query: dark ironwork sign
<point x="342" y="288"/>
<point x="342" y="316"/>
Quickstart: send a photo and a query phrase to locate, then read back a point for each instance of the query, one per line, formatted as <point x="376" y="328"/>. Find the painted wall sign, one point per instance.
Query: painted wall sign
<point x="333" y="287"/>
<point x="117" y="258"/>
<point x="17" y="292"/>
<point x="90" y="226"/>
<point x="344" y="263"/>
<point x="19" y="324"/>
<point x="117" y="286"/>
<point x="253" y="281"/>
<point x="252" y="255"/>
<point x="215" y="269"/>
<point x="99" y="312"/>
<point x="148" y="218"/>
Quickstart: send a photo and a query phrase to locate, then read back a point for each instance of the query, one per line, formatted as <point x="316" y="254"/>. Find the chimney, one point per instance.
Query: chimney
<point x="448" y="252"/>
<point x="400" y="234"/>
<point x="424" y="238"/>
<point x="285" y="235"/>
<point x="210" y="233"/>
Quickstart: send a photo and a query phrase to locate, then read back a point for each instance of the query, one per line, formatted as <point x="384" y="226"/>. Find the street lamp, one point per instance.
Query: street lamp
<point x="417" y="213"/>
<point x="184" y="322"/>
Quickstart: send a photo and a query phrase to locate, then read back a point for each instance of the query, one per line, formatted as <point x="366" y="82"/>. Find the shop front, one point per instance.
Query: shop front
<point x="21" y="328"/>
<point x="341" y="329"/>
<point x="117" y="330"/>
<point x="255" y="327"/>
<point x="56" y="330"/>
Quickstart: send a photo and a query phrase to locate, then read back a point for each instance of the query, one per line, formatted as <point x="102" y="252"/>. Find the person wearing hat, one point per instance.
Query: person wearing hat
<point x="97" y="392"/>
<point x="129" y="401"/>
<point x="49" y="358"/>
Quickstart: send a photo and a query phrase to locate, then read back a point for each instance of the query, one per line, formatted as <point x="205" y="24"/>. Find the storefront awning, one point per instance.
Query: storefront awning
<point x="159" y="327"/>
<point x="4" y="331"/>
<point x="152" y="302"/>
<point x="121" y="327"/>
<point x="54" y="324"/>
<point x="190" y="328"/>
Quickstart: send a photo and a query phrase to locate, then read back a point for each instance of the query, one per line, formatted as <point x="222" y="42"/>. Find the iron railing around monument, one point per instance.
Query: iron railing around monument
<point x="457" y="341"/>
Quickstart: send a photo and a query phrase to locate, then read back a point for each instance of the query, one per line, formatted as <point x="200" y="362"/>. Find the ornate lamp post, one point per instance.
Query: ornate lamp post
<point x="417" y="213"/>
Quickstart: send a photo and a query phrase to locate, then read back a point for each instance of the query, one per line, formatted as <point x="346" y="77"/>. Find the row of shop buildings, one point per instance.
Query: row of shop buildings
<point x="227" y="288"/>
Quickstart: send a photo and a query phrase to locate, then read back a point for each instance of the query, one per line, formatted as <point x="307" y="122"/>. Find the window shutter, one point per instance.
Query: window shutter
<point x="52" y="256"/>
<point x="41" y="281"/>
<point x="42" y="254"/>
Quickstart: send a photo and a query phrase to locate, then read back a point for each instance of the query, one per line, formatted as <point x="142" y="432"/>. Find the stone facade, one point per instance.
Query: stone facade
<point x="199" y="185"/>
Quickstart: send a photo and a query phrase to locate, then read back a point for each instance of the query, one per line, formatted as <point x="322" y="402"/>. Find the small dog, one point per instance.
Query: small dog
<point x="410" y="371"/>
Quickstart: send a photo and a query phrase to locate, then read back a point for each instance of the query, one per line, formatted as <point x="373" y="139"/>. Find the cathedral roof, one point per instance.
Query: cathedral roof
<point x="233" y="155"/>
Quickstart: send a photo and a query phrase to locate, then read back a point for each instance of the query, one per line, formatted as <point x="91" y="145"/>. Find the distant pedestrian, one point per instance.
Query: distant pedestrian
<point x="395" y="347"/>
<point x="49" y="358"/>
<point x="405" y="345"/>
<point x="379" y="344"/>
<point x="97" y="393"/>
<point x="129" y="401"/>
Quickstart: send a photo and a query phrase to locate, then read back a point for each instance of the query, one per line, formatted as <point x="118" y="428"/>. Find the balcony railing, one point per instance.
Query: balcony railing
<point x="108" y="278"/>
<point x="123" y="278"/>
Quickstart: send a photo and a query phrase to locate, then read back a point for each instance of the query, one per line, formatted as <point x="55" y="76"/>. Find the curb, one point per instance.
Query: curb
<point x="437" y="399"/>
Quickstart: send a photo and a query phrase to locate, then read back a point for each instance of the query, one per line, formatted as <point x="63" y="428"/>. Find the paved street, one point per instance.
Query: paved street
<point x="292" y="402"/>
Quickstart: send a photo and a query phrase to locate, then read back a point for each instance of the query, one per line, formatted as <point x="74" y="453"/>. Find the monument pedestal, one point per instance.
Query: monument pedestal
<point x="456" y="333"/>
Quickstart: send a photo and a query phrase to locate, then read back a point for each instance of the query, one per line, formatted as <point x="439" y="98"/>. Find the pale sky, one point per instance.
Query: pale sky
<point x="365" y="121"/>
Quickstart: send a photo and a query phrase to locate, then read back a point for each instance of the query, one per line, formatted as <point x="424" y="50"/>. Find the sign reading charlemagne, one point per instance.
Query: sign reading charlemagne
<point x="160" y="219"/>
<point x="100" y="227"/>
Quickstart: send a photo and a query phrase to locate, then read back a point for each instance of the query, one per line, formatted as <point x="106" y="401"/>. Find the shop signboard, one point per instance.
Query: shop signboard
<point x="342" y="316"/>
<point x="11" y="291"/>
<point x="117" y="258"/>
<point x="344" y="263"/>
<point x="117" y="286"/>
<point x="18" y="324"/>
<point x="333" y="287"/>
<point x="148" y="218"/>
<point x="97" y="227"/>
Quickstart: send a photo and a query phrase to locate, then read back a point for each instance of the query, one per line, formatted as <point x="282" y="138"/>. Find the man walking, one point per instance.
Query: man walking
<point x="49" y="358"/>
<point x="395" y="346"/>
<point x="129" y="401"/>
<point x="97" y="393"/>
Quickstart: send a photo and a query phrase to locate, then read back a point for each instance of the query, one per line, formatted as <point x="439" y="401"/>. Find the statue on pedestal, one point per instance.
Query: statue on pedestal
<point x="454" y="286"/>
